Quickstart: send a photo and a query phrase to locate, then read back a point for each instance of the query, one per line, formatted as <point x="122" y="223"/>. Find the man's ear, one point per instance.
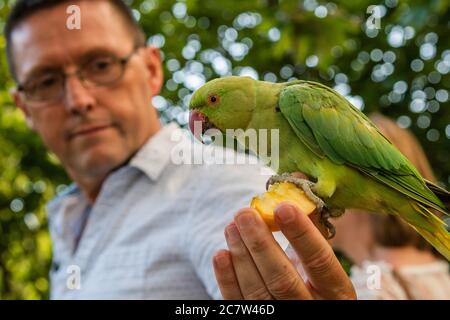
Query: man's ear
<point x="152" y="60"/>
<point x="20" y="103"/>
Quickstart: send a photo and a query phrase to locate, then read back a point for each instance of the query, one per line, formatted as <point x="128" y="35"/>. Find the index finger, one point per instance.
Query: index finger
<point x="279" y="275"/>
<point x="300" y="175"/>
<point x="325" y="274"/>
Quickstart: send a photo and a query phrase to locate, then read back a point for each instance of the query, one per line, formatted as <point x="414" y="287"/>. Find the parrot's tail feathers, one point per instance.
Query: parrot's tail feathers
<point x="434" y="231"/>
<point x="441" y="193"/>
<point x="439" y="239"/>
<point x="428" y="215"/>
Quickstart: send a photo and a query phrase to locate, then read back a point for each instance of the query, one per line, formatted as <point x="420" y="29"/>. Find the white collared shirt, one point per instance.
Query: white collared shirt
<point x="153" y="229"/>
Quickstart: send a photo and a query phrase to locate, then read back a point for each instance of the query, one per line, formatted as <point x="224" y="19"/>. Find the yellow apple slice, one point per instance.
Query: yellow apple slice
<point x="266" y="203"/>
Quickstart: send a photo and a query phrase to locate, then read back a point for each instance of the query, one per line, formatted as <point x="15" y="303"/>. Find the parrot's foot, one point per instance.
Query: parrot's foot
<point x="303" y="184"/>
<point x="327" y="213"/>
<point x="306" y="185"/>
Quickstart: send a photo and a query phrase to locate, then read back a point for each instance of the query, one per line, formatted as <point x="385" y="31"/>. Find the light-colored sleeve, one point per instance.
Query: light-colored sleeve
<point x="221" y="191"/>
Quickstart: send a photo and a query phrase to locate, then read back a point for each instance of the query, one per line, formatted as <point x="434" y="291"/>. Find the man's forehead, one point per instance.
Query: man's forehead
<point x="44" y="38"/>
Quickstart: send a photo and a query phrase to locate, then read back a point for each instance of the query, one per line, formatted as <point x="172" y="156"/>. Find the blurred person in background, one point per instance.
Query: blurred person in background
<point x="410" y="267"/>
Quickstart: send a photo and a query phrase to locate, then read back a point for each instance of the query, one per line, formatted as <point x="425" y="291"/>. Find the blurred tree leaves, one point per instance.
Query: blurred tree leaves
<point x="401" y="70"/>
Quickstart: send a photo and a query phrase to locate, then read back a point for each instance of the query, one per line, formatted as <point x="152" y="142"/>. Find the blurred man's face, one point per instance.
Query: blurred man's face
<point x="92" y="129"/>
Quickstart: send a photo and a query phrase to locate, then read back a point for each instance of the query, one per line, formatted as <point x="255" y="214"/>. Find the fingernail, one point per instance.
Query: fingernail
<point x="233" y="232"/>
<point x="245" y="220"/>
<point x="222" y="260"/>
<point x="285" y="213"/>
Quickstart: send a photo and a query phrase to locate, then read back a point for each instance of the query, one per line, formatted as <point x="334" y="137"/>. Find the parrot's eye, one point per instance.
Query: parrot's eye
<point x="213" y="99"/>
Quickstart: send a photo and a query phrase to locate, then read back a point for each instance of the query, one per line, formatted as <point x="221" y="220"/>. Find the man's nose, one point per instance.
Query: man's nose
<point x="78" y="99"/>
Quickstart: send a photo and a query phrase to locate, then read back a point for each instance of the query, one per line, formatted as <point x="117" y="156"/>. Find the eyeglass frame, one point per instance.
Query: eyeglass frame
<point x="123" y="62"/>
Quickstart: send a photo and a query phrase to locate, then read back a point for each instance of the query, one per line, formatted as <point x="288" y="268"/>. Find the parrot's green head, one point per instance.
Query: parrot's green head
<point x="224" y="103"/>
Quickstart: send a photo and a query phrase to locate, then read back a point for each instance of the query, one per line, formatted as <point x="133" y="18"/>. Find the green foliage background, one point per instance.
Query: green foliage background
<point x="268" y="39"/>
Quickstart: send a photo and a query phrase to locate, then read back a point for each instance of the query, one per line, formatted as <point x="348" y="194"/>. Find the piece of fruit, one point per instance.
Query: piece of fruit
<point x="266" y="203"/>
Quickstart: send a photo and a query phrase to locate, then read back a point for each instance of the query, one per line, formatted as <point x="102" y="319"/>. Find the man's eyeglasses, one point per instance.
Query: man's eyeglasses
<point x="100" y="70"/>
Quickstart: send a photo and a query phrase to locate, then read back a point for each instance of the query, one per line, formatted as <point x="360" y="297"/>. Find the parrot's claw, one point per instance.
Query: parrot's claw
<point x="325" y="214"/>
<point x="306" y="185"/>
<point x="303" y="184"/>
<point x="278" y="178"/>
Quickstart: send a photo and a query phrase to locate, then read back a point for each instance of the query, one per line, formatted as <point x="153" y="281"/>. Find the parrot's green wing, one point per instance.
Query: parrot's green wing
<point x="330" y="126"/>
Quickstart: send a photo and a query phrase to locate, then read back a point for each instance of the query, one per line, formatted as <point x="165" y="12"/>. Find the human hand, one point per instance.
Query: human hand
<point x="256" y="268"/>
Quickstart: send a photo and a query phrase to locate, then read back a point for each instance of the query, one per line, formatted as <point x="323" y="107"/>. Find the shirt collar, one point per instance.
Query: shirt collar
<point x="155" y="154"/>
<point x="72" y="191"/>
<point x="151" y="159"/>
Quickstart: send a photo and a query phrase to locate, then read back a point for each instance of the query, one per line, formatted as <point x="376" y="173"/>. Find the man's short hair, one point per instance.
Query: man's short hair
<point x="24" y="8"/>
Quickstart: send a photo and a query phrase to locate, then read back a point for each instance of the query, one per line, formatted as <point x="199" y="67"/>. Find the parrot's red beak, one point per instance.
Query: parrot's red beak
<point x="198" y="124"/>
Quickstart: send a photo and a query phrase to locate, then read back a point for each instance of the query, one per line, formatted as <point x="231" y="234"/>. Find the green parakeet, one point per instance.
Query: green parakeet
<point x="325" y="137"/>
